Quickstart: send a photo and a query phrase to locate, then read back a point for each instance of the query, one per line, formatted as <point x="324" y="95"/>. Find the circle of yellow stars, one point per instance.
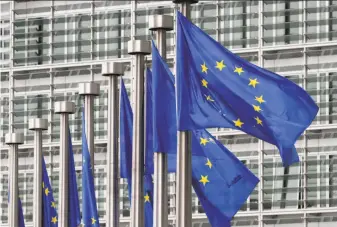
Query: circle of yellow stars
<point x="253" y="82"/>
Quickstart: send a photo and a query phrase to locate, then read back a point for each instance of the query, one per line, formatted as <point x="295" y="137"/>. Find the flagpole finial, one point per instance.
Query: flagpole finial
<point x="160" y="22"/>
<point x="112" y="69"/>
<point x="142" y="47"/>
<point x="14" y="138"/>
<point x="38" y="124"/>
<point x="89" y="88"/>
<point x="65" y="107"/>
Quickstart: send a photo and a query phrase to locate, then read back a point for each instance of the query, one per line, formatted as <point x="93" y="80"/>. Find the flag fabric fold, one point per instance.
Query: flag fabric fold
<point x="126" y="118"/>
<point x="89" y="205"/>
<point x="216" y="88"/>
<point x="74" y="217"/>
<point x="220" y="180"/>
<point x="50" y="217"/>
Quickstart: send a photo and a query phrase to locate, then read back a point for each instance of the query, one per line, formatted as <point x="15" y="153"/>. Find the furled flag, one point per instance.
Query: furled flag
<point x="216" y="88"/>
<point x="89" y="205"/>
<point x="126" y="118"/>
<point x="50" y="218"/>
<point x="21" y="217"/>
<point x="74" y="216"/>
<point x="221" y="182"/>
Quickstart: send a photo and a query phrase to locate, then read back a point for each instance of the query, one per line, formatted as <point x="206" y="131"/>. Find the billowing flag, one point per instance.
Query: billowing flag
<point x="221" y="182"/>
<point x="89" y="205"/>
<point x="126" y="118"/>
<point x="216" y="88"/>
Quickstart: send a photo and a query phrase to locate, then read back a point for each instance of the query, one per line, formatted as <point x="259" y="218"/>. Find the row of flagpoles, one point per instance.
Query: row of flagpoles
<point x="149" y="143"/>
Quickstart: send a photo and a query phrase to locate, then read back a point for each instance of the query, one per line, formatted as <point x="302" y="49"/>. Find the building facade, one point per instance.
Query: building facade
<point x="48" y="47"/>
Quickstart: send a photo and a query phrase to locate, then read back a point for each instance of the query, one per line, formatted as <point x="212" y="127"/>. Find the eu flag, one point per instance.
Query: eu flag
<point x="151" y="129"/>
<point x="50" y="218"/>
<point x="221" y="182"/>
<point x="74" y="217"/>
<point x="21" y="218"/>
<point x="217" y="88"/>
<point x="163" y="101"/>
<point x="126" y="155"/>
<point x="89" y="207"/>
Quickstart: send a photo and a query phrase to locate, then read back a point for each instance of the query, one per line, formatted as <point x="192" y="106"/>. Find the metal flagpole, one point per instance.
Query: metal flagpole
<point x="160" y="24"/>
<point x="64" y="109"/>
<point x="112" y="70"/>
<point x="184" y="157"/>
<point x="139" y="48"/>
<point x="89" y="90"/>
<point x="38" y="125"/>
<point x="13" y="140"/>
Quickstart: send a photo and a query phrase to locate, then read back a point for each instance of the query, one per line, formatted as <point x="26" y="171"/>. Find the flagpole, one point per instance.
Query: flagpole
<point x="13" y="140"/>
<point x="184" y="157"/>
<point x="38" y="125"/>
<point x="89" y="90"/>
<point x="139" y="48"/>
<point x="64" y="109"/>
<point x="160" y="24"/>
<point x="112" y="70"/>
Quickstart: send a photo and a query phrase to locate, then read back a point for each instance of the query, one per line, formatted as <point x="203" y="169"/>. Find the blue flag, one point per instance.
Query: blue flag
<point x="125" y="130"/>
<point x="126" y="118"/>
<point x="21" y="217"/>
<point x="50" y="218"/>
<point x="89" y="205"/>
<point x="217" y="88"/>
<point x="163" y="93"/>
<point x="151" y="130"/>
<point x="221" y="182"/>
<point x="74" y="204"/>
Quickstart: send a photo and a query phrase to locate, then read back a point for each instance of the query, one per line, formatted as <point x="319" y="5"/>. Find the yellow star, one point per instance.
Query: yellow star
<point x="204" y="180"/>
<point x="238" y="123"/>
<point x="203" y="141"/>
<point x="147" y="198"/>
<point x="257" y="108"/>
<point x="258" y="121"/>
<point x="209" y="98"/>
<point x="204" y="83"/>
<point x="53" y="204"/>
<point x="54" y="220"/>
<point x="93" y="220"/>
<point x="209" y="164"/>
<point x="204" y="68"/>
<point x="253" y="83"/>
<point x="46" y="191"/>
<point x="238" y="70"/>
<point x="42" y="184"/>
<point x="220" y="65"/>
<point x="260" y="99"/>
